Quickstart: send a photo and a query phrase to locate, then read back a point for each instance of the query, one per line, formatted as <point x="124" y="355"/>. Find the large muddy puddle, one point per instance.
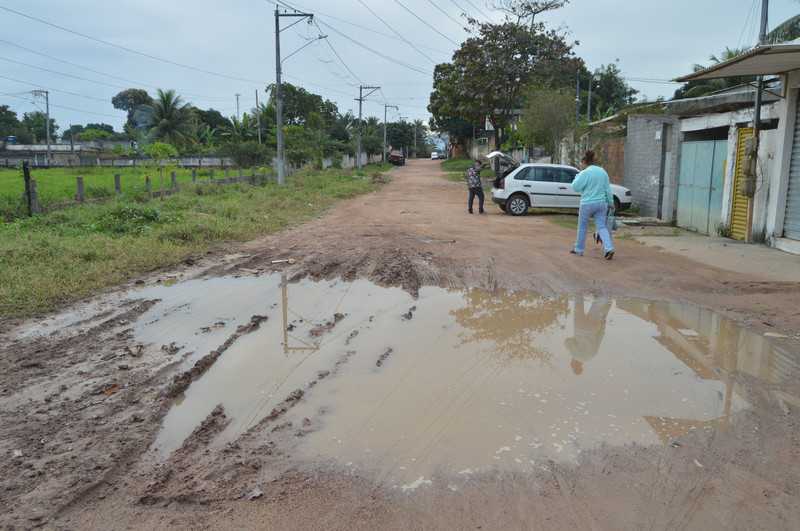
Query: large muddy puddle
<point x="456" y="383"/>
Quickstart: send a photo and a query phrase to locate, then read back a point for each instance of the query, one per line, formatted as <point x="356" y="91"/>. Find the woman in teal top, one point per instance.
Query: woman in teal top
<point x="596" y="198"/>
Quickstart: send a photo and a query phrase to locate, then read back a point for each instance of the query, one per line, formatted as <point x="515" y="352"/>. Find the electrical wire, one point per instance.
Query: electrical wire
<point x="399" y="35"/>
<point x="479" y="10"/>
<point x="104" y="100"/>
<point x="425" y="22"/>
<point x="60" y="106"/>
<point x="105" y="74"/>
<point x="445" y="13"/>
<point x="376" y="52"/>
<point x="129" y="50"/>
<point x="339" y="57"/>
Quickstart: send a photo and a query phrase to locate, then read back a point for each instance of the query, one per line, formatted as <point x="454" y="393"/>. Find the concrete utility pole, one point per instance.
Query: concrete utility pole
<point x="278" y="92"/>
<point x="577" y="98"/>
<point x="385" y="107"/>
<point x="237" y="106"/>
<point x="46" y="96"/>
<point x="415" y="139"/>
<point x="589" y="100"/>
<point x="258" y="118"/>
<point x="750" y="185"/>
<point x="360" y="99"/>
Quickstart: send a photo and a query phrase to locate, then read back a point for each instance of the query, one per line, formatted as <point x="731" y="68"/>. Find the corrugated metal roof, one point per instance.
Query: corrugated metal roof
<point x="764" y="60"/>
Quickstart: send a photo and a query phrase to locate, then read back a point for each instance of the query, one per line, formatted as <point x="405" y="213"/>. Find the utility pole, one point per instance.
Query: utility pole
<point x="278" y="92"/>
<point x="46" y="96"/>
<point x="385" y="107"/>
<point x="237" y="106"/>
<point x="258" y="118"/>
<point x="360" y="99"/>
<point x="577" y="98"/>
<point x="414" y="124"/>
<point x="589" y="100"/>
<point x="750" y="186"/>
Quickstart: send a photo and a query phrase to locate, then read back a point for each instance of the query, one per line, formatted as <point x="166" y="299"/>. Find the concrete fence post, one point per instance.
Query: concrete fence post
<point x="35" y="208"/>
<point x="81" y="195"/>
<point x="241" y="175"/>
<point x="148" y="186"/>
<point x="226" y="173"/>
<point x="194" y="176"/>
<point x="173" y="181"/>
<point x="211" y="175"/>
<point x="117" y="183"/>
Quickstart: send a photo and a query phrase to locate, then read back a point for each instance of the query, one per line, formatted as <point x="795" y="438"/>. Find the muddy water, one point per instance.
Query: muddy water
<point x="456" y="383"/>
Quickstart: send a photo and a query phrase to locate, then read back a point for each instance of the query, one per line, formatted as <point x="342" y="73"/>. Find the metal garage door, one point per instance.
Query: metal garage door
<point x="739" y="201"/>
<point x="791" y="223"/>
<point x="700" y="185"/>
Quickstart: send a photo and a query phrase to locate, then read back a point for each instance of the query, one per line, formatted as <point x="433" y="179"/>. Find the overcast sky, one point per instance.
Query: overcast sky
<point x="651" y="39"/>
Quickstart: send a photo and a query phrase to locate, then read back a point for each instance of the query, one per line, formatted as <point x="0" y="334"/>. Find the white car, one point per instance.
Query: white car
<point x="525" y="186"/>
<point x="434" y="155"/>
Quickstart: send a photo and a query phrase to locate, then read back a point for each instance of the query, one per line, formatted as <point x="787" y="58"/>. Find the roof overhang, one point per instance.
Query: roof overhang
<point x="772" y="59"/>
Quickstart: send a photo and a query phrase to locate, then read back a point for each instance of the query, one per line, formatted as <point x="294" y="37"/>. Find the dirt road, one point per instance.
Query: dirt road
<point x="412" y="367"/>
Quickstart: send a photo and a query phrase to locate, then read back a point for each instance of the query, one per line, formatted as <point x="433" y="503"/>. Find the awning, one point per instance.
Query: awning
<point x="771" y="59"/>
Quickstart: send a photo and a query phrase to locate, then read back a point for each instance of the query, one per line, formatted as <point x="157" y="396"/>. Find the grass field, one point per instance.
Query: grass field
<point x="58" y="185"/>
<point x="59" y="257"/>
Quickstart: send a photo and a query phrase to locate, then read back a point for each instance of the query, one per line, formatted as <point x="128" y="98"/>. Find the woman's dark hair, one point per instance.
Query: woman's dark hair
<point x="588" y="157"/>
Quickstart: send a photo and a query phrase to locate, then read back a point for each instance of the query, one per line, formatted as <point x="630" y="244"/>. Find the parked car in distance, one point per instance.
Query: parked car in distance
<point x="543" y="186"/>
<point x="397" y="158"/>
<point x="434" y="155"/>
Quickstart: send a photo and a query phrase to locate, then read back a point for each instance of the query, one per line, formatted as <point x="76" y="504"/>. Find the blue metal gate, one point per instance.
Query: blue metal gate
<point x="700" y="185"/>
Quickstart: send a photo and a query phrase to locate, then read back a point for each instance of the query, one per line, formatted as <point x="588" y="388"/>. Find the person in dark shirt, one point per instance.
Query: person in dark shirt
<point x="475" y="186"/>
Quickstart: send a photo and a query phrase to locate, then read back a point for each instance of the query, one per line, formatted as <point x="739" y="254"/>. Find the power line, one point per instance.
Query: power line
<point x="399" y="35"/>
<point x="105" y="74"/>
<point x="445" y="13"/>
<point x="61" y="106"/>
<point x="476" y="8"/>
<point x="361" y="27"/>
<point x="375" y="52"/>
<point x="398" y="2"/>
<point x="104" y="100"/>
<point x="339" y="57"/>
<point x="129" y="50"/>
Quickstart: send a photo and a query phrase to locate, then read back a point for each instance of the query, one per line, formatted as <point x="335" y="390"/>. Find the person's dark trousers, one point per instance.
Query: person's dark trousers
<point x="476" y="192"/>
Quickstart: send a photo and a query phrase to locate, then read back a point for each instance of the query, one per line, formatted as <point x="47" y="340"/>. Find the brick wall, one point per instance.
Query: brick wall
<point x="610" y="154"/>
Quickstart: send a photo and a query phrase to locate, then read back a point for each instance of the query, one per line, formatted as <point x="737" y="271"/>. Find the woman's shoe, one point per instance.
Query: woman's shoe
<point x="609" y="255"/>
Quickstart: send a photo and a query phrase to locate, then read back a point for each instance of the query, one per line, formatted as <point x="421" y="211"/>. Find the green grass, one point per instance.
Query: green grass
<point x="56" y="258"/>
<point x="58" y="185"/>
<point x="456" y="165"/>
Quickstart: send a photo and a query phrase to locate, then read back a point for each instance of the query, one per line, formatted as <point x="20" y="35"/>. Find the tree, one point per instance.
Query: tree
<point x="212" y="118"/>
<point x="610" y="92"/>
<point x="240" y="130"/>
<point x="36" y="123"/>
<point x="527" y="10"/>
<point x="167" y="118"/>
<point x="101" y="127"/>
<point x="247" y="154"/>
<point x="90" y="134"/>
<point x="73" y="132"/>
<point x="158" y="153"/>
<point x="546" y="118"/>
<point x="701" y="87"/>
<point x="298" y="104"/>
<point x="9" y="123"/>
<point x="788" y="30"/>
<point x="487" y="74"/>
<point x="130" y="100"/>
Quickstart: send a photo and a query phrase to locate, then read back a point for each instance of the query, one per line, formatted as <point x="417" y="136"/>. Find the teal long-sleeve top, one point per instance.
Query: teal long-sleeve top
<point x="594" y="186"/>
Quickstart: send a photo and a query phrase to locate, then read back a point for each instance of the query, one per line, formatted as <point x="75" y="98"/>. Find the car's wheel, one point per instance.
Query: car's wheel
<point x="517" y="205"/>
<point x="616" y="204"/>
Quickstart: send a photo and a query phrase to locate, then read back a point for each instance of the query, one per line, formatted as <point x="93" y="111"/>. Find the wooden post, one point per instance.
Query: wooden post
<point x="117" y="183"/>
<point x="26" y="175"/>
<point x="194" y="176"/>
<point x="148" y="186"/>
<point x="173" y="181"/>
<point x="34" y="205"/>
<point x="80" y="196"/>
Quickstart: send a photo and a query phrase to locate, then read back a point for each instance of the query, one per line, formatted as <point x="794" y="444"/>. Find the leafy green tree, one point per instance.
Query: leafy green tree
<point x="160" y="152"/>
<point x="36" y="123"/>
<point x="73" y="132"/>
<point x="168" y="119"/>
<point x="11" y="126"/>
<point x="129" y="100"/>
<point x="90" y="134"/>
<point x="298" y="104"/>
<point x="786" y="31"/>
<point x="247" y="154"/>
<point x="526" y="11"/>
<point x="240" y="130"/>
<point x="490" y="69"/>
<point x="299" y="144"/>
<point x="610" y="92"/>
<point x="547" y="117"/>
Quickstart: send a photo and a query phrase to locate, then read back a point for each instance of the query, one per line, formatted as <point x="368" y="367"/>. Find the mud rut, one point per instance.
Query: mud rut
<point x="81" y="401"/>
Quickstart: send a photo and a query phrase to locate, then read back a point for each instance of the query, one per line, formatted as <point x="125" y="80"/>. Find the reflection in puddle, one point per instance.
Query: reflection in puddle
<point x="469" y="380"/>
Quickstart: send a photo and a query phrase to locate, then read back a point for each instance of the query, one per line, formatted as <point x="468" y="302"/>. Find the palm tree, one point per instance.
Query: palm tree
<point x="241" y="130"/>
<point x="702" y="87"/>
<point x="168" y="118"/>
